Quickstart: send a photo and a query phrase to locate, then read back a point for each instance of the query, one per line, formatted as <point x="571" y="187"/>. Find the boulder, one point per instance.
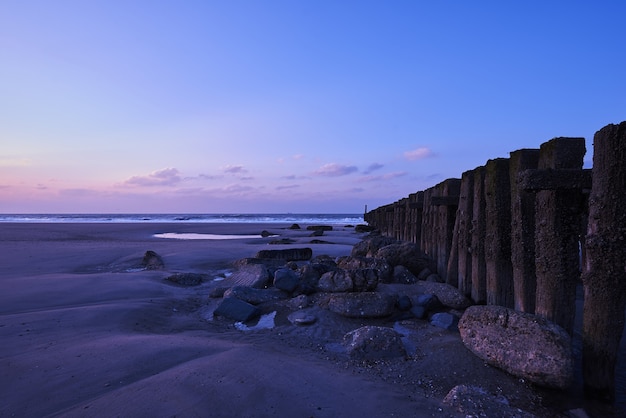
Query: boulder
<point x="186" y="279"/>
<point x="301" y="318"/>
<point x="286" y="279"/>
<point x="364" y="280"/>
<point x="319" y="228"/>
<point x="404" y="303"/>
<point x="370" y="245"/>
<point x="373" y="343"/>
<point x="255" y="296"/>
<point x="404" y="254"/>
<point x="237" y="309"/>
<point x="361" y="228"/>
<point x="447" y="294"/>
<point x="335" y="281"/>
<point x="291" y="254"/>
<point x="309" y="278"/>
<point x="429" y="301"/>
<point x="251" y="275"/>
<point x="474" y="401"/>
<point x="524" y="345"/>
<point x="152" y="261"/>
<point x="362" y="305"/>
<point x="445" y="320"/>
<point x="402" y="275"/>
<point x="294" y="226"/>
<point x="352" y="263"/>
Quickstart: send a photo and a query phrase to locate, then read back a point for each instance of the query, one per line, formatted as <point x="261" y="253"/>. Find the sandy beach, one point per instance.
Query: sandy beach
<point x="85" y="332"/>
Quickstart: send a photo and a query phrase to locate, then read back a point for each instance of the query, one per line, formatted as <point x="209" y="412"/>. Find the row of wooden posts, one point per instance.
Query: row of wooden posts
<point x="522" y="231"/>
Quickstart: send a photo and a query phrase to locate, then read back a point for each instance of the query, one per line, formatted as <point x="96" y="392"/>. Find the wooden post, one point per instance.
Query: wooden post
<point x="416" y="207"/>
<point x="463" y="231"/>
<point x="479" y="274"/>
<point x="523" y="232"/>
<point x="445" y="204"/>
<point x="498" y="233"/>
<point x="557" y="215"/>
<point x="604" y="278"/>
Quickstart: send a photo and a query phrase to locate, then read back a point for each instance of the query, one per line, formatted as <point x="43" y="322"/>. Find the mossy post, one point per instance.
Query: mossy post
<point x="604" y="278"/>
<point x="498" y="233"/>
<point x="523" y="231"/>
<point x="558" y="208"/>
<point x="463" y="231"/>
<point x="479" y="275"/>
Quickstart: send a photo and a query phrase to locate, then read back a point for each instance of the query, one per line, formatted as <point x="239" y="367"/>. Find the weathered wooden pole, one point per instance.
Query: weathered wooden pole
<point x="445" y="203"/>
<point x="416" y="207"/>
<point x="523" y="232"/>
<point x="479" y="274"/>
<point x="463" y="230"/>
<point x="399" y="214"/>
<point x="604" y="278"/>
<point x="498" y="233"/>
<point x="427" y="241"/>
<point x="557" y="237"/>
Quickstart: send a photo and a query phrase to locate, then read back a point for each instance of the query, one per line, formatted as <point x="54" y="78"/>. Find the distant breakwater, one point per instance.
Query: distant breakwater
<point x="522" y="232"/>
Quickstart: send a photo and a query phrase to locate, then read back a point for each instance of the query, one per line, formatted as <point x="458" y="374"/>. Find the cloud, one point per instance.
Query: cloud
<point x="373" y="167"/>
<point x="10" y="161"/>
<point x="164" y="177"/>
<point x="297" y="156"/>
<point x="418" y="154"/>
<point x="234" y="169"/>
<point x="293" y="186"/>
<point x="382" y="177"/>
<point x="335" y="170"/>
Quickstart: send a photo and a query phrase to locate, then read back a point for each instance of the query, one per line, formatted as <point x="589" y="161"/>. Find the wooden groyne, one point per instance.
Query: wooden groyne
<point x="521" y="231"/>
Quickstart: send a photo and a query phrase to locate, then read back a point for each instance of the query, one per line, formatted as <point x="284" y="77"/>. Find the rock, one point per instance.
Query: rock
<point x="308" y="281"/>
<point x="404" y="303"/>
<point x="404" y="254"/>
<point x="291" y="254"/>
<point x="473" y="401"/>
<point x="419" y="312"/>
<point x="403" y="276"/>
<point x="373" y="343"/>
<point x="370" y="245"/>
<point x="352" y="263"/>
<point x="434" y="277"/>
<point x="424" y="274"/>
<point x="152" y="261"/>
<point x="237" y="309"/>
<point x="364" y="280"/>
<point x="281" y="241"/>
<point x="251" y="275"/>
<point x="294" y="226"/>
<point x="429" y="301"/>
<point x="186" y="279"/>
<point x="361" y="228"/>
<point x="319" y="228"/>
<point x="266" y="234"/>
<point x="335" y="281"/>
<point x="444" y="320"/>
<point x="299" y="302"/>
<point x="361" y="305"/>
<point x="218" y="292"/>
<point x="317" y="233"/>
<point x="301" y="318"/>
<point x="286" y="279"/>
<point x="524" y="345"/>
<point x="447" y="294"/>
<point x="255" y="296"/>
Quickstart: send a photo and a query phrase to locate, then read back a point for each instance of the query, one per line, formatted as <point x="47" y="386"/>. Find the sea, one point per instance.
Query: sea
<point x="304" y="218"/>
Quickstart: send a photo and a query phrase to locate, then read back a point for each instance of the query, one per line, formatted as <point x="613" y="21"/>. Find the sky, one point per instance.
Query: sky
<point x="271" y="106"/>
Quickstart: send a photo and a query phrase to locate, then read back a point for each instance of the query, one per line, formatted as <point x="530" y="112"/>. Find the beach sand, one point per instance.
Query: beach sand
<point x="85" y="332"/>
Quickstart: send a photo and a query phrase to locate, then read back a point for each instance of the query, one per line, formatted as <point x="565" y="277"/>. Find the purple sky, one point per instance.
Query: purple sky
<point x="288" y="106"/>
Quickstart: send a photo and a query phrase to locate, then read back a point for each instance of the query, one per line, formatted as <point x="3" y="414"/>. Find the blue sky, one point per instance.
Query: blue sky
<point x="288" y="106"/>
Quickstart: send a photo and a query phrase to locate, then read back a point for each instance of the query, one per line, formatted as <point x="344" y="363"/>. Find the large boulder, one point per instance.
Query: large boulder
<point x="286" y="279"/>
<point x="373" y="343"/>
<point x="474" y="401"/>
<point x="254" y="296"/>
<point x="524" y="345"/>
<point x="251" y="275"/>
<point x="290" y="254"/>
<point x="335" y="281"/>
<point x="152" y="261"/>
<point x="370" y="245"/>
<point x="186" y="279"/>
<point x="236" y="309"/>
<point x="353" y="263"/>
<point x="404" y="254"/>
<point x="362" y="305"/>
<point x="447" y="294"/>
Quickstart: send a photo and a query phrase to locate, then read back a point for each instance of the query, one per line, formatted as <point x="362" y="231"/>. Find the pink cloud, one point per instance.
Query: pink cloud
<point x="335" y="170"/>
<point x="234" y="169"/>
<point x="164" y="177"/>
<point x="418" y="154"/>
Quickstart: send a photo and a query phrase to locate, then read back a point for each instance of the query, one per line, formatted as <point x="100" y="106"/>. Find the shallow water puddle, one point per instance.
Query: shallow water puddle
<point x="265" y="322"/>
<point x="193" y="235"/>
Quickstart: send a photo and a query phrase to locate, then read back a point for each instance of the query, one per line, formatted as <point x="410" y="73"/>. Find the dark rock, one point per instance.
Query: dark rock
<point x="402" y="275"/>
<point x="370" y="245"/>
<point x="448" y="295"/>
<point x="186" y="279"/>
<point x="299" y="302"/>
<point x="309" y="278"/>
<point x="429" y="301"/>
<point x="282" y="241"/>
<point x="424" y="274"/>
<point x="404" y="303"/>
<point x="473" y="401"/>
<point x="364" y="280"/>
<point x="319" y="241"/>
<point x="317" y="233"/>
<point x="319" y="228"/>
<point x="286" y="279"/>
<point x="385" y="271"/>
<point x="404" y="254"/>
<point x="524" y="345"/>
<point x="419" y="312"/>
<point x="218" y="292"/>
<point x="335" y="281"/>
<point x="301" y="318"/>
<point x="265" y="233"/>
<point x="251" y="275"/>
<point x="361" y="305"/>
<point x="294" y="226"/>
<point x="374" y="343"/>
<point x="434" y="277"/>
<point x="255" y="296"/>
<point x="152" y="261"/>
<point x="290" y="254"/>
<point x="237" y="309"/>
<point x="444" y="320"/>
<point x="361" y="228"/>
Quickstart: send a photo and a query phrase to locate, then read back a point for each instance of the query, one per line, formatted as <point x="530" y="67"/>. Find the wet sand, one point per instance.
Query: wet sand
<point x="86" y="332"/>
